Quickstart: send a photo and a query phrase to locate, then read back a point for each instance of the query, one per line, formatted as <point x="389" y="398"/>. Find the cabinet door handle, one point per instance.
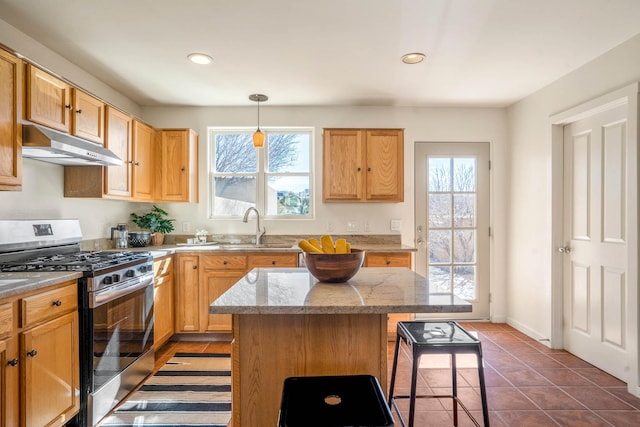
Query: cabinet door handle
<point x="368" y="169"/>
<point x="273" y="262"/>
<point x="182" y="169"/>
<point x="32" y="353"/>
<point x="388" y="262"/>
<point x="68" y="106"/>
<point x="57" y="303"/>
<point x="195" y="267"/>
<point x="79" y="111"/>
<point x="137" y="163"/>
<point x="13" y="362"/>
<point x="359" y="169"/>
<point x="224" y="262"/>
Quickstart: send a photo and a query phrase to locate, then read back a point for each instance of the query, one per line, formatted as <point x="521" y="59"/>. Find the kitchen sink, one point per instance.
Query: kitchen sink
<point x="254" y="246"/>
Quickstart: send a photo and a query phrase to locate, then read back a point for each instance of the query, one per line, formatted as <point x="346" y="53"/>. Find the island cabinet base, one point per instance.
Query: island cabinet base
<point x="268" y="348"/>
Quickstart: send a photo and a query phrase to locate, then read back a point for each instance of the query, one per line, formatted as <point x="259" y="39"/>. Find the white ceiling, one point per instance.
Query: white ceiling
<point x="327" y="52"/>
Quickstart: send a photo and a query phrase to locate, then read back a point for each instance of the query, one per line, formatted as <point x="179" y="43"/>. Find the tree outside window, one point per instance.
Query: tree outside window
<point x="275" y="179"/>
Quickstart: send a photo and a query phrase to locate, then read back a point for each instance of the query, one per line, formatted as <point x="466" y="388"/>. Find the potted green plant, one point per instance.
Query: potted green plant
<point x="156" y="222"/>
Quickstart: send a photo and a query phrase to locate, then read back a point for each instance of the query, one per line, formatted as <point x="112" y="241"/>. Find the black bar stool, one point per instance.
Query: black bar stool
<point x="425" y="337"/>
<point x="333" y="401"/>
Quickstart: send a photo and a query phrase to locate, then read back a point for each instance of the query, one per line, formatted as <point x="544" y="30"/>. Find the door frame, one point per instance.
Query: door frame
<point x="628" y="96"/>
<point x="490" y="266"/>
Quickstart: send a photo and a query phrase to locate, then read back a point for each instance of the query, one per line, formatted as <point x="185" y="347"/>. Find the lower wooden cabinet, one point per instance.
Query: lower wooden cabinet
<point x="39" y="374"/>
<point x="201" y="278"/>
<point x="163" y="301"/>
<point x="390" y="259"/>
<point x="50" y="372"/>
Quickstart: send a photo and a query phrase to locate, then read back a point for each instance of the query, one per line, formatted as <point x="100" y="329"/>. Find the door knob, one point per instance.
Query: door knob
<point x="564" y="249"/>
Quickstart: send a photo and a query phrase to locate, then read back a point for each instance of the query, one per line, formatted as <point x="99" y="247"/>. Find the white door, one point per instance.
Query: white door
<point x="452" y="222"/>
<point x="595" y="288"/>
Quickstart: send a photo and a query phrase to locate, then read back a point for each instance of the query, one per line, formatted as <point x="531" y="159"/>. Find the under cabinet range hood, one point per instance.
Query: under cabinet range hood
<point x="51" y="146"/>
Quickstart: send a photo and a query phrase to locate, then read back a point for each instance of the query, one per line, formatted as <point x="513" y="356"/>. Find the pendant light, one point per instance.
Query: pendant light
<point x="258" y="136"/>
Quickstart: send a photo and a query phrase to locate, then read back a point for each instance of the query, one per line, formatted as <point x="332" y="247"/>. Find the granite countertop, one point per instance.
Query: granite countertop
<point x="17" y="283"/>
<point x="160" y="251"/>
<point x="371" y="290"/>
<point x="242" y="243"/>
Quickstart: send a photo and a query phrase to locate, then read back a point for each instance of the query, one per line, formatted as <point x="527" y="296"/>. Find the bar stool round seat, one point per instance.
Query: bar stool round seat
<point x="333" y="401"/>
<point x="436" y="337"/>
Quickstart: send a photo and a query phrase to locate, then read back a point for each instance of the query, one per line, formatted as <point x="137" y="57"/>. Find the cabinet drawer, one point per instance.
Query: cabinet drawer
<point x="388" y="259"/>
<point x="224" y="262"/>
<point x="281" y="260"/>
<point x="47" y="305"/>
<point x="163" y="266"/>
<point x="6" y="319"/>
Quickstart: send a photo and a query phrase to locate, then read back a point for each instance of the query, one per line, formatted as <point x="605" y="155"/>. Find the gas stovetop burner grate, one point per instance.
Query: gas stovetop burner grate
<point x="88" y="261"/>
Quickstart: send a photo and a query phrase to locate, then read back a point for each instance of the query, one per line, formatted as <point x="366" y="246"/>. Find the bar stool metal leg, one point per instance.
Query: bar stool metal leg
<point x="394" y="369"/>
<point x="414" y="380"/>
<point x="483" y="391"/>
<point x="454" y="389"/>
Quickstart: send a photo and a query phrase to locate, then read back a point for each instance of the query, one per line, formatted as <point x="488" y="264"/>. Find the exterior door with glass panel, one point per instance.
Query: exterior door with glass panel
<point x="452" y="222"/>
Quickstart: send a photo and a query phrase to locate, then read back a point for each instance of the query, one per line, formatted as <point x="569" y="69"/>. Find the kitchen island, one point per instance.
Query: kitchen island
<point x="286" y="323"/>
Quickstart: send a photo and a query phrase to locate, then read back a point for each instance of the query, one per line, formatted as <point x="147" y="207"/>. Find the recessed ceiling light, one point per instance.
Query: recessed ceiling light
<point x="200" y="58"/>
<point x="413" y="58"/>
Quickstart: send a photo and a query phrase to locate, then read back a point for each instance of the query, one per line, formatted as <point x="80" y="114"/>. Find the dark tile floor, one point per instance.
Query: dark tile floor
<point x="528" y="384"/>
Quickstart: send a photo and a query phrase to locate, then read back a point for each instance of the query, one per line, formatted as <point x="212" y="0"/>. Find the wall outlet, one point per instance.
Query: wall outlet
<point x="352" y="226"/>
<point x="367" y="226"/>
<point x="329" y="226"/>
<point x="186" y="227"/>
<point x="396" y="225"/>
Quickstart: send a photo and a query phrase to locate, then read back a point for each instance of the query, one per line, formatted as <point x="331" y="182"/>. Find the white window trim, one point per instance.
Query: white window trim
<point x="260" y="174"/>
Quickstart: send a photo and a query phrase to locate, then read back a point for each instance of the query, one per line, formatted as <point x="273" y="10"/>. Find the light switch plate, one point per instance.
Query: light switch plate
<point x="396" y="225"/>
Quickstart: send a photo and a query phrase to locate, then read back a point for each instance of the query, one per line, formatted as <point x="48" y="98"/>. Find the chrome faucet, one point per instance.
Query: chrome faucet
<point x="259" y="232"/>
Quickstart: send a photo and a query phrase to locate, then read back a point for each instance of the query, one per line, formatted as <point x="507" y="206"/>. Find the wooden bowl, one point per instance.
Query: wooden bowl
<point x="334" y="268"/>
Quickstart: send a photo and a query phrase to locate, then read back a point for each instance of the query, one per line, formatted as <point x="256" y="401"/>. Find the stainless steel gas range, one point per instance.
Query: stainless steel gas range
<point x="115" y="303"/>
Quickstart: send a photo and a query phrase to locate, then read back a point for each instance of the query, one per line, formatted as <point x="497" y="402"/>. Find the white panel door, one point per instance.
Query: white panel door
<point x="452" y="222"/>
<point x="595" y="264"/>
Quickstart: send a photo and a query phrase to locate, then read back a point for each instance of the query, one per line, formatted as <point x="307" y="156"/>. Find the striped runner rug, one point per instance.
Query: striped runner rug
<point x="190" y="390"/>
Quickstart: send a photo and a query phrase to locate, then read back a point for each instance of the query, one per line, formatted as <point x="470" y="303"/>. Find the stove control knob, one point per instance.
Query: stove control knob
<point x="107" y="280"/>
<point x="116" y="277"/>
<point x="130" y="273"/>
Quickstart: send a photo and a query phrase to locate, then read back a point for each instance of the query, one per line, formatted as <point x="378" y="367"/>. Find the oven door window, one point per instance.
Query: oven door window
<point x="122" y="331"/>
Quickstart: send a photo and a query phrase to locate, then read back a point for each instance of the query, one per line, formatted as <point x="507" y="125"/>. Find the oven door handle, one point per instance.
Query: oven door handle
<point x="110" y="294"/>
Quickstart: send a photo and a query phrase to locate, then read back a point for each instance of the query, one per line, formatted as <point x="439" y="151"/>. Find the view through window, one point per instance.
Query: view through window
<point x="275" y="179"/>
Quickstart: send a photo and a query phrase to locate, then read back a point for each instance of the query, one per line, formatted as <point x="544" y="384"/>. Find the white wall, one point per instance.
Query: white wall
<point x="42" y="194"/>
<point x="42" y="187"/>
<point x="420" y="124"/>
<point x="529" y="243"/>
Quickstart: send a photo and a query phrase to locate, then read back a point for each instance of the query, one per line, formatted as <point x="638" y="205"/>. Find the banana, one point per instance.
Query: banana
<point x="308" y="247"/>
<point x="327" y="245"/>
<point x="341" y="246"/>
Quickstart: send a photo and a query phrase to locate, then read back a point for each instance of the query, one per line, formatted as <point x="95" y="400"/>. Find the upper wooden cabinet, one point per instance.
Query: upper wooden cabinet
<point x="48" y="100"/>
<point x="10" y="115"/>
<point x="158" y="164"/>
<point x="118" y="179"/>
<point x="54" y="103"/>
<point x="144" y="162"/>
<point x="179" y="165"/>
<point x="87" y="117"/>
<point x="363" y="165"/>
